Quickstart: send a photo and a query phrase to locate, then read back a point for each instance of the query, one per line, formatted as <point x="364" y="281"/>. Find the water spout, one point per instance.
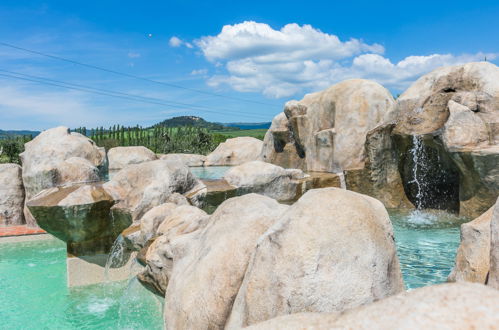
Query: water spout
<point x="116" y="256"/>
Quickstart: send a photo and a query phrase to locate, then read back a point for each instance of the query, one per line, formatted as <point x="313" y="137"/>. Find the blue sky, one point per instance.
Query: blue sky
<point x="256" y="54"/>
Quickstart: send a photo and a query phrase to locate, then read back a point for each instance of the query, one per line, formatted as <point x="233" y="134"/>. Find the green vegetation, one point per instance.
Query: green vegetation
<point x="256" y="133"/>
<point x="186" y="134"/>
<point x="159" y="139"/>
<point x="11" y="147"/>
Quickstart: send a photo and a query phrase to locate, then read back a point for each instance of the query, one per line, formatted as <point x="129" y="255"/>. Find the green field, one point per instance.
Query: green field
<point x="256" y="133"/>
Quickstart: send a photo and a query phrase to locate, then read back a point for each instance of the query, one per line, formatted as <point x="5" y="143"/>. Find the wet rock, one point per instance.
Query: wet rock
<point x="11" y="195"/>
<point x="58" y="157"/>
<point x="209" y="264"/>
<point x="80" y="215"/>
<point x="445" y="306"/>
<point x="121" y="157"/>
<point x="266" y="179"/>
<point x="235" y="151"/>
<point x="326" y="131"/>
<point x="330" y="251"/>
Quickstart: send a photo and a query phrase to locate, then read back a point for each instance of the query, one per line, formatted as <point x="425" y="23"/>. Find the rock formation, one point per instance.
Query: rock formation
<point x="89" y="217"/>
<point x="187" y="159"/>
<point x="326" y="131"/>
<point x="449" y="120"/>
<point x="266" y="179"/>
<point x="445" y="306"/>
<point x="209" y="264"/>
<point x="120" y="157"/>
<point x="331" y="251"/>
<point x="235" y="151"/>
<point x="11" y="195"/>
<point x="58" y="157"/>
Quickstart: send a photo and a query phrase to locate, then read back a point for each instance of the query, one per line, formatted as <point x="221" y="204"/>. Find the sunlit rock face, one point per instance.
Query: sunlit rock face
<point x="493" y="279"/>
<point x="235" y="151"/>
<point x="313" y="260"/>
<point x="326" y="131"/>
<point x="11" y="195"/>
<point x="473" y="254"/>
<point x="59" y="157"/>
<point x="449" y="120"/>
<point x="266" y="179"/>
<point x="120" y="157"/>
<point x="209" y="264"/>
<point x="444" y="306"/>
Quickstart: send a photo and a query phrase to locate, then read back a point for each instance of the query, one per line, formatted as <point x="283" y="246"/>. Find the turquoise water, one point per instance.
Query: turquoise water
<point x="426" y="245"/>
<point x="34" y="295"/>
<point x="210" y="172"/>
<point x="33" y="292"/>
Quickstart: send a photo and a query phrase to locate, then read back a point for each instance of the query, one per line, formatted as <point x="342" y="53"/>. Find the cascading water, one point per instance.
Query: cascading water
<point x="418" y="159"/>
<point x="116" y="256"/>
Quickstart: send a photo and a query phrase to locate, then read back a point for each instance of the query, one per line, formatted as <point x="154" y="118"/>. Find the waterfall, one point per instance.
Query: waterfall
<point x="418" y="159"/>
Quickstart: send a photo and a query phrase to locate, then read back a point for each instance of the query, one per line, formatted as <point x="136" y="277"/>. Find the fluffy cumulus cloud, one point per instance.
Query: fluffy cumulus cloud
<point x="177" y="42"/>
<point x="297" y="59"/>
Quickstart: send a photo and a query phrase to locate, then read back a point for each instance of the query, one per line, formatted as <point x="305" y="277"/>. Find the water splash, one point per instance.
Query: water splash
<point x="116" y="256"/>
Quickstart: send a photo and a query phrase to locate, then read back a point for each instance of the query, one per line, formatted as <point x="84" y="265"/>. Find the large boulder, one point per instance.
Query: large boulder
<point x="59" y="157"/>
<point x="80" y="215"/>
<point x="209" y="264"/>
<point x="266" y="179"/>
<point x="235" y="151"/>
<point x="121" y="157"/>
<point x="447" y="126"/>
<point x="445" y="306"/>
<point x="140" y="187"/>
<point x="89" y="217"/>
<point x="332" y="250"/>
<point x="11" y="195"/>
<point x="473" y="254"/>
<point x="181" y="220"/>
<point x="187" y="159"/>
<point x="326" y="131"/>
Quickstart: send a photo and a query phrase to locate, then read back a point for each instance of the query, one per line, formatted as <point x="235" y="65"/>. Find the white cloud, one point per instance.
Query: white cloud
<point x="175" y="42"/>
<point x="298" y="59"/>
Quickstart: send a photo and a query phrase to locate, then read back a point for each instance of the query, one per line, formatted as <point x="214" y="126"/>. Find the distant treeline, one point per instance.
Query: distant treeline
<point x="159" y="139"/>
<point x="11" y="147"/>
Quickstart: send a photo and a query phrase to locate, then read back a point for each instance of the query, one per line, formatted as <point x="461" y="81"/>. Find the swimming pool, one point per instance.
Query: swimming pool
<point x="34" y="294"/>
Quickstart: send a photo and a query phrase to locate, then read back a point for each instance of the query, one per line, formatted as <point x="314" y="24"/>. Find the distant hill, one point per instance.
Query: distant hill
<point x="249" y="125"/>
<point x="13" y="133"/>
<point x="190" y="121"/>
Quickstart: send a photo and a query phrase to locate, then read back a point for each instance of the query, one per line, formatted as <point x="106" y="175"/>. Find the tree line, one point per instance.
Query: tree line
<point x="159" y="139"/>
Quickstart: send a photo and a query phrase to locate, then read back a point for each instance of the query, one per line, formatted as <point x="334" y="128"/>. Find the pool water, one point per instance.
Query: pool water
<point x="210" y="172"/>
<point x="426" y="245"/>
<point x="34" y="295"/>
